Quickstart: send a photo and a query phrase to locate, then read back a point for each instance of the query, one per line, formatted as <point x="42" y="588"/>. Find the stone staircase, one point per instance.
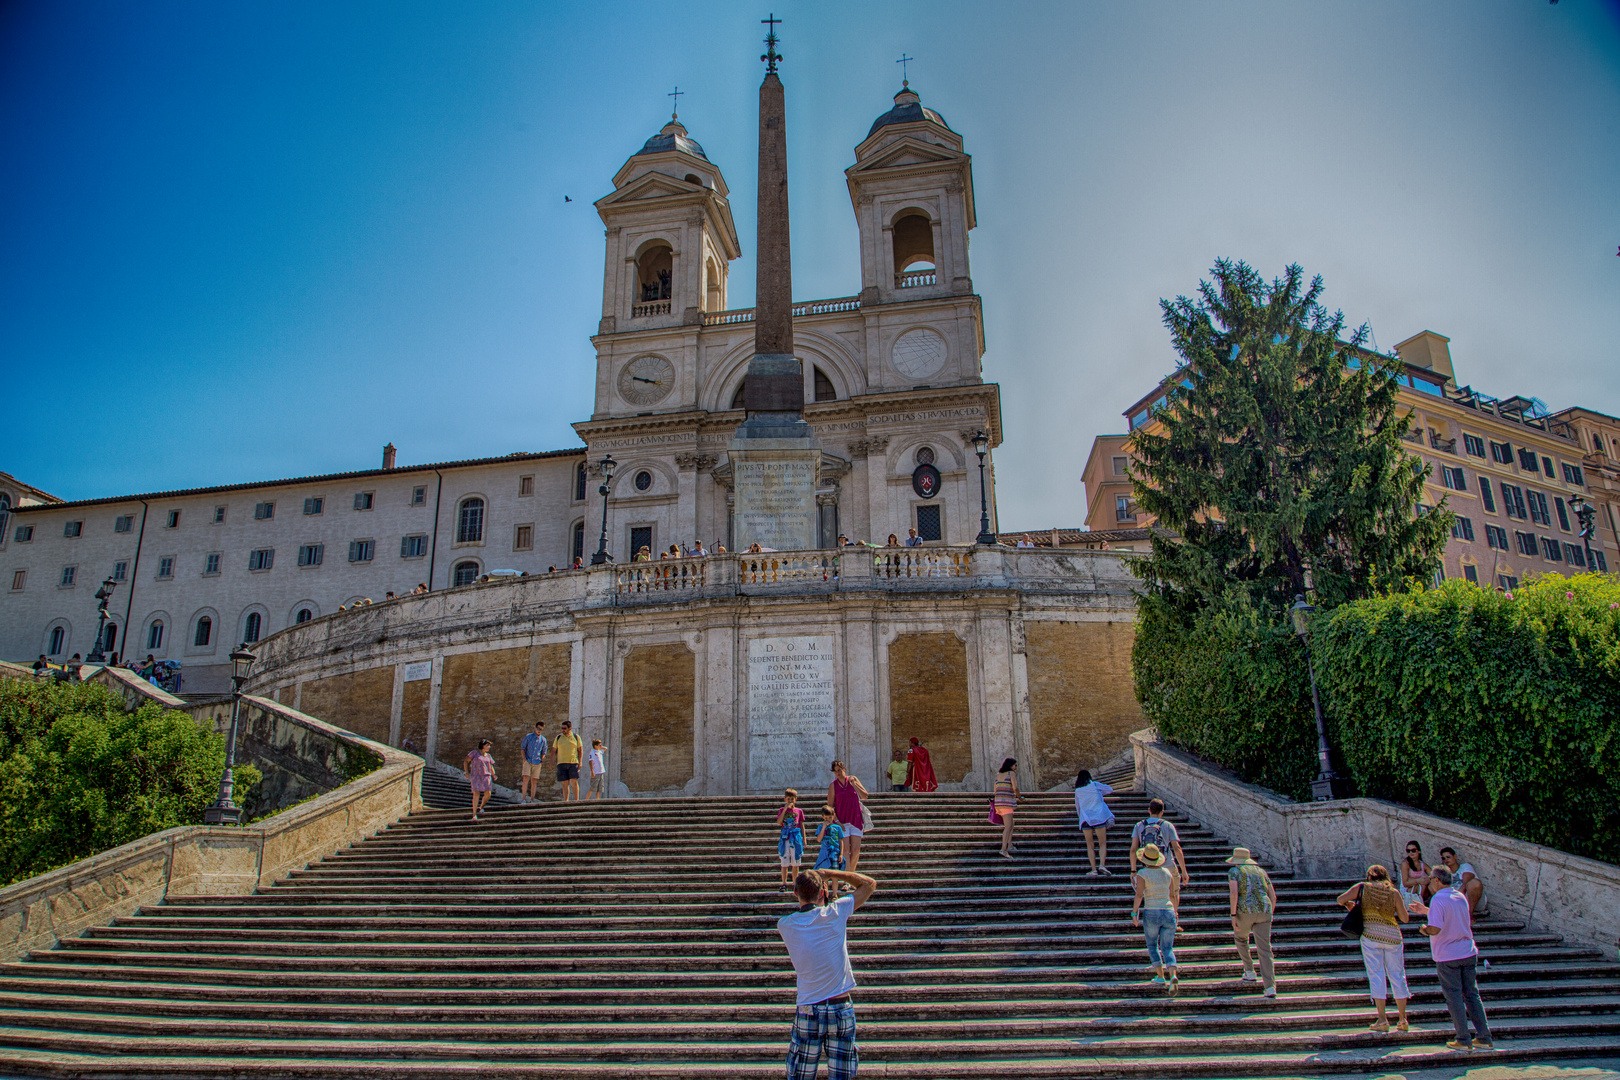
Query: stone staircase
<point x="637" y="938"/>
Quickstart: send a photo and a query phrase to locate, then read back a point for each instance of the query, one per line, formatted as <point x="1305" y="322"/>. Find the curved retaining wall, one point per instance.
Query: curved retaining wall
<point x="983" y="653"/>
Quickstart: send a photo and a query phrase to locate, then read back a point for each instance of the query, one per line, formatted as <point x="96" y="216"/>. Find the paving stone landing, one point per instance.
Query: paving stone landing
<point x="637" y="938"/>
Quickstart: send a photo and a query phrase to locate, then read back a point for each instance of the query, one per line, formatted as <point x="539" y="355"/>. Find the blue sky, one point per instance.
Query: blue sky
<point x="250" y="240"/>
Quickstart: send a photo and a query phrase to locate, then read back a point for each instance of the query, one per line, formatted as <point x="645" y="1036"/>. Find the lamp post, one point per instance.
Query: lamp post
<point x="103" y="594"/>
<point x="1328" y="784"/>
<point x="1584" y="513"/>
<point x="602" y="555"/>
<point x="224" y="811"/>
<point x="981" y="446"/>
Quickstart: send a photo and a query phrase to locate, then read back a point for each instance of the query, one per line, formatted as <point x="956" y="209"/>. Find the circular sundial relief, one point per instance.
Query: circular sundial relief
<point x="918" y="353"/>
<point x="646" y="380"/>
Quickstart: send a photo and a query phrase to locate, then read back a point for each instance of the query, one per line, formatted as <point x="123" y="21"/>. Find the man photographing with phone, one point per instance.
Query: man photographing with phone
<point x="816" y="939"/>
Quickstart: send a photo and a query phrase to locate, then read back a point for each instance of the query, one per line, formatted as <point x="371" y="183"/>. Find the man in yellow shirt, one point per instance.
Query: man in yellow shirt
<point x="568" y="750"/>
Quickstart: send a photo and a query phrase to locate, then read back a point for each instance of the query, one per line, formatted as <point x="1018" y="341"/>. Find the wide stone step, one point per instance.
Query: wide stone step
<point x="1295" y="1049"/>
<point x="1304" y="1031"/>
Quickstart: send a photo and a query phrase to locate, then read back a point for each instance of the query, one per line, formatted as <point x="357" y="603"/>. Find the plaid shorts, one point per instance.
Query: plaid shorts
<point x="823" y="1027"/>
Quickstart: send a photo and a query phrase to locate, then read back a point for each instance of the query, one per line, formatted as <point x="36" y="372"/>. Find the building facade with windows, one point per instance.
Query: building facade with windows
<point x="1511" y="471"/>
<point x="893" y="392"/>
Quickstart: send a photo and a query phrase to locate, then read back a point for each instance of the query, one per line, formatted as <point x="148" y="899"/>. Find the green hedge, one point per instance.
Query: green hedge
<point x="79" y="775"/>
<point x="1499" y="710"/>
<point x="1229" y="687"/>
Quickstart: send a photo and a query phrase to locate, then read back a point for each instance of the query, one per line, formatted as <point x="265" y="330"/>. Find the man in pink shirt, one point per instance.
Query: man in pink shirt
<point x="1451" y="941"/>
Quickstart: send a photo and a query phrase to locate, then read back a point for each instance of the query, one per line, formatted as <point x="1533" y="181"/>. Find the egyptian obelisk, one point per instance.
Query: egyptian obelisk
<point x="774" y="455"/>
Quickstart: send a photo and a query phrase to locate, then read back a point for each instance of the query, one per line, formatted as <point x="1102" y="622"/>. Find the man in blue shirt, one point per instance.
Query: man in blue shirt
<point x="534" y="760"/>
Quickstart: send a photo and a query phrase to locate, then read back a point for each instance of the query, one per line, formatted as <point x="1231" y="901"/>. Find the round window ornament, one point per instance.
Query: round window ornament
<point x="646" y="380"/>
<point x="918" y="353"/>
<point x="643" y="480"/>
<point x="925" y="455"/>
<point x="925" y="481"/>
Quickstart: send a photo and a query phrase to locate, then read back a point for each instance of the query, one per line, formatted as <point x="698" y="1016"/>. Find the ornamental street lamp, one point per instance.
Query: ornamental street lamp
<point x="1584" y="513"/>
<point x="602" y="555"/>
<point x="103" y="594"/>
<point x="224" y="811"/>
<point x="1328" y="784"/>
<point x="981" y="446"/>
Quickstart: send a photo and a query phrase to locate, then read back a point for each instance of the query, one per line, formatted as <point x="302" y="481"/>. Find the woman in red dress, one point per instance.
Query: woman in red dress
<point x="921" y="777"/>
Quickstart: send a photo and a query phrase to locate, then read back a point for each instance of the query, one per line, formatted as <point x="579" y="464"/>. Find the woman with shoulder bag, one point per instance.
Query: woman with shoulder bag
<point x="847" y="795"/>
<point x="1383" y="949"/>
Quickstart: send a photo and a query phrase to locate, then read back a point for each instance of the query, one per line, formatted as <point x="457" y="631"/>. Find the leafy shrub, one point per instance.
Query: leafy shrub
<point x="1229" y="686"/>
<point x="79" y="775"/>
<point x="1499" y="710"/>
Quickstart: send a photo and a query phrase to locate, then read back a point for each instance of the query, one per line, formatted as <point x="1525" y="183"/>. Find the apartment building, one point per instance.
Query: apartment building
<point x="1514" y="473"/>
<point x="197" y="571"/>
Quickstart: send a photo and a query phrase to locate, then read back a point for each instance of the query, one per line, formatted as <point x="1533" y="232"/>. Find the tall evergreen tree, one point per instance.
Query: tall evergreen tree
<point x="1278" y="456"/>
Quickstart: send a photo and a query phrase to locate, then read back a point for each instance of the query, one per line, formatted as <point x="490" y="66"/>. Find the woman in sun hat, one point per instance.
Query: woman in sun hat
<point x="1252" y="900"/>
<point x="1154" y="910"/>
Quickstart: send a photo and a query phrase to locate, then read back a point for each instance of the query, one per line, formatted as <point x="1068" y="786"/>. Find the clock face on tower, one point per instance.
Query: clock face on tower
<point x="646" y="380"/>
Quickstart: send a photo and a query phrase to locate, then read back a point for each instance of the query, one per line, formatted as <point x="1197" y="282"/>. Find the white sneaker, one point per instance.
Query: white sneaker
<point x="1249" y="976"/>
<point x="1270" y="992"/>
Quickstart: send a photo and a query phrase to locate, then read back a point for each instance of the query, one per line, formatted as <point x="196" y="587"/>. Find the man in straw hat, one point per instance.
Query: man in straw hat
<point x="1253" y="902"/>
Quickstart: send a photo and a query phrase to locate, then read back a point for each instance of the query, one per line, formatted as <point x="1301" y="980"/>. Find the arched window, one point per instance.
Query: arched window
<point x="913" y="244"/>
<point x="712" y="300"/>
<point x="737" y="398"/>
<point x="154" y="635"/>
<point x="470" y="524"/>
<point x="304" y="615"/>
<point x="580" y="479"/>
<point x="465" y="573"/>
<point x="250" y="627"/>
<point x="824" y="387"/>
<point x="110" y="641"/>
<point x="579" y="540"/>
<point x="655" y="275"/>
<point x="58" y="640"/>
<point x="205" y="632"/>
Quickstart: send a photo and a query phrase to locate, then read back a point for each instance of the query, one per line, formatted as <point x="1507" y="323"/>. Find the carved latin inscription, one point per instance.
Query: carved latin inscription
<point x="790" y="712"/>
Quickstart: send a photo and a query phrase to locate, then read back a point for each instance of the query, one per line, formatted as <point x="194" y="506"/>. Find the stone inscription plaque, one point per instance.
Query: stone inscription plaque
<point x="775" y="498"/>
<point x="790" y="712"/>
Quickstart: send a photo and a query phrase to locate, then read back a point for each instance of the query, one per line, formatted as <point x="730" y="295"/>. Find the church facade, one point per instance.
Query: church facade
<point x="892" y="388"/>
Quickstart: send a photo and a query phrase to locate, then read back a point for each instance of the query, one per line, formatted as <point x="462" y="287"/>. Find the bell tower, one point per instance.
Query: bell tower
<point x="912" y="188"/>
<point x="670" y="237"/>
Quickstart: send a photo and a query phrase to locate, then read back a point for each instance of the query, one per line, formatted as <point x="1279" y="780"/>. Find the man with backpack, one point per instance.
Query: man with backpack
<point x="1154" y="829"/>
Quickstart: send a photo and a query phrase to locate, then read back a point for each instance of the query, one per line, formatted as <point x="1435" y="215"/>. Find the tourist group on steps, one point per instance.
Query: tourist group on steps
<point x="1448" y="895"/>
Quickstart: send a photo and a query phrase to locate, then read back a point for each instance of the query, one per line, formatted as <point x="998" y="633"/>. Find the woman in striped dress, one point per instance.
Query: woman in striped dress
<point x="1006" y="803"/>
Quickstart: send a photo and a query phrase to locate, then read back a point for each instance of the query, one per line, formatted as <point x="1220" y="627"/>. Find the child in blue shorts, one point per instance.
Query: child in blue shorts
<point x="832" y="842"/>
<point x="790" y="844"/>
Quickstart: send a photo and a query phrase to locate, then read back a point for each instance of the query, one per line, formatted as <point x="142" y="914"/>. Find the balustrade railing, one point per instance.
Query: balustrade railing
<point x="786" y="568"/>
<point x="657" y="307"/>
<point x="911" y="279"/>
<point x="813" y="307"/>
<point x="922" y="563"/>
<point x="667" y="575"/>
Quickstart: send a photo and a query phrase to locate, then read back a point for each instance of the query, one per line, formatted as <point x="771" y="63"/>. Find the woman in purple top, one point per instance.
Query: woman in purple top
<point x="479" y="768"/>
<point x="845" y="795"/>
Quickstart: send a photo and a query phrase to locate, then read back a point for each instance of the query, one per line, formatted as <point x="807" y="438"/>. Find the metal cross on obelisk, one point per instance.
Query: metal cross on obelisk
<point x="771" y="57"/>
